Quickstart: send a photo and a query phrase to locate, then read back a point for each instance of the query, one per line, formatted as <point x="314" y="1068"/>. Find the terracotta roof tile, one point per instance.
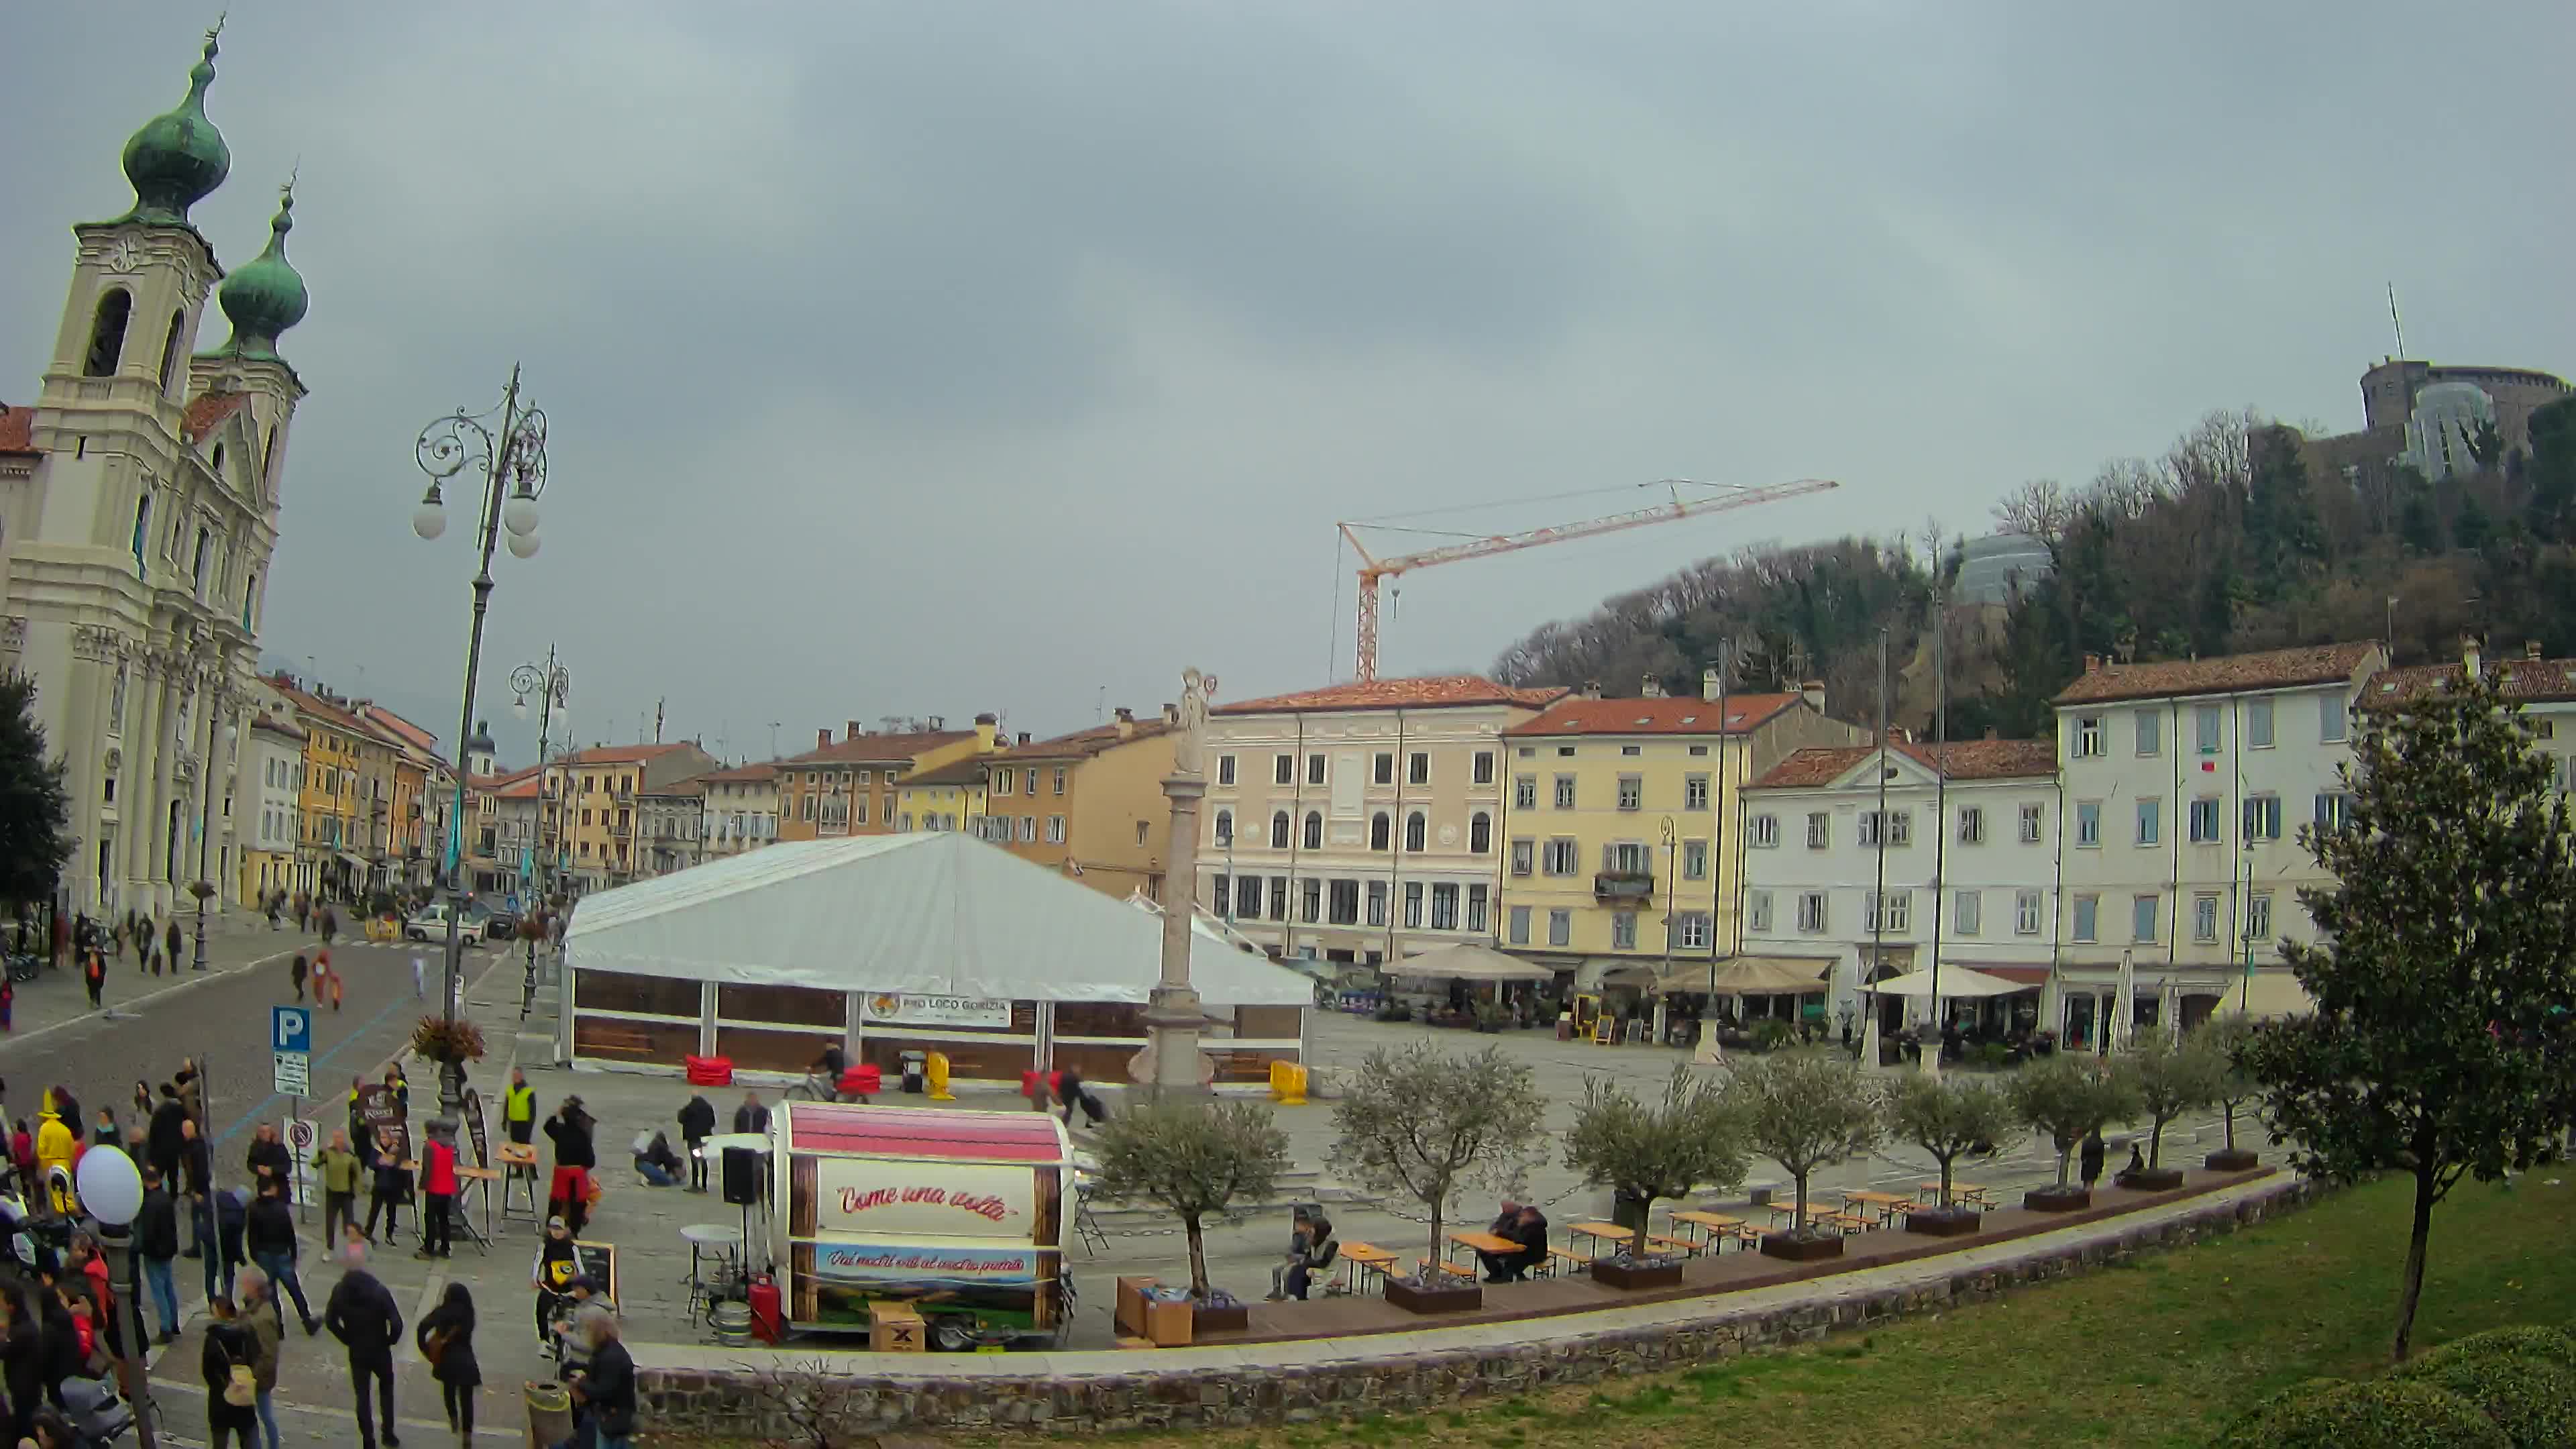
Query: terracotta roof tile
<point x="17" y="430"/>
<point x="967" y="771"/>
<point x="1437" y="691"/>
<point x="2274" y="669"/>
<point x="761" y="773"/>
<point x="1960" y="760"/>
<point x="2526" y="679"/>
<point x="1692" y="716"/>
<point x="276" y="726"/>
<point x="870" y="749"/>
<point x="207" y="411"/>
<point x="620" y="754"/>
<point x="1083" y="744"/>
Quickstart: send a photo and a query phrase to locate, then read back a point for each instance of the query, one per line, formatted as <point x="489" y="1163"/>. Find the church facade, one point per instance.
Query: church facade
<point x="139" y="507"/>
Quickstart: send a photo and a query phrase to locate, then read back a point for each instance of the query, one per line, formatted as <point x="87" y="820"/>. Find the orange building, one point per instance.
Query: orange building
<point x="1089" y="804"/>
<point x="848" y="788"/>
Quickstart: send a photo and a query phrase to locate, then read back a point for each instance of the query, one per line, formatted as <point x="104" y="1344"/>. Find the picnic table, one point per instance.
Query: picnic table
<point x="1596" y="1234"/>
<point x="1365" y="1258"/>
<point x="1966" y="1192"/>
<point x="1713" y="1227"/>
<point x="1484" y="1242"/>
<point x="1885" y="1204"/>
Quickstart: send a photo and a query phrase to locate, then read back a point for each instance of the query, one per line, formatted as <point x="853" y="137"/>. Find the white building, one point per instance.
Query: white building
<point x="272" y="820"/>
<point x="137" y="518"/>
<point x="1968" y="852"/>
<point x="739" y="810"/>
<point x="1357" y="823"/>
<point x="2186" y="783"/>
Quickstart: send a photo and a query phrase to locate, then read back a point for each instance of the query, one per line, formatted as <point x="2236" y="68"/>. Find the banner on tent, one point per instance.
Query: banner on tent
<point x="934" y="1010"/>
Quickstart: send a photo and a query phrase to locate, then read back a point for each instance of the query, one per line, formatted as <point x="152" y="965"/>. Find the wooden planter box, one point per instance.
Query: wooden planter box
<point x="1812" y="1249"/>
<point x="1234" y="1317"/>
<point x="1611" y="1273"/>
<point x="2231" y="1159"/>
<point x="2068" y="1199"/>
<point x="1943" y="1222"/>
<point x="2151" y="1179"/>
<point x="1435" y="1297"/>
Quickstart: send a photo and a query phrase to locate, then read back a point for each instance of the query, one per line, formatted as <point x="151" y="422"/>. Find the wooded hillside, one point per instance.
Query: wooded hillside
<point x="2232" y="540"/>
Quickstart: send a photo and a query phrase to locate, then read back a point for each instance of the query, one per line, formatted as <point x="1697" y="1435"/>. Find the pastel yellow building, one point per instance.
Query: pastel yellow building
<point x="1089" y="804"/>
<point x="593" y="793"/>
<point x="949" y="797"/>
<point x="1618" y="822"/>
<point x="854" y="787"/>
<point x="328" y="805"/>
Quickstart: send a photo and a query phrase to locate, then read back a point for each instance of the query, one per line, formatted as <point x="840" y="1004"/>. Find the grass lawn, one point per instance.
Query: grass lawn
<point x="2162" y="1352"/>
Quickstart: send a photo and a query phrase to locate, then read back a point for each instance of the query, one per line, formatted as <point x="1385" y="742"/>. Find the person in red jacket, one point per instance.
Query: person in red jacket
<point x="438" y="1191"/>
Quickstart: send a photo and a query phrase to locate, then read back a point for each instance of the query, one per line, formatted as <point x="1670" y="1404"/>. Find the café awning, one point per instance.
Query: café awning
<point x="1957" y="982"/>
<point x="1750" y="976"/>
<point x="1467" y="961"/>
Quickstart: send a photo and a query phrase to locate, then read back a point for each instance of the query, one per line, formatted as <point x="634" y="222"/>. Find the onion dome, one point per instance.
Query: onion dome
<point x="178" y="159"/>
<point x="265" y="295"/>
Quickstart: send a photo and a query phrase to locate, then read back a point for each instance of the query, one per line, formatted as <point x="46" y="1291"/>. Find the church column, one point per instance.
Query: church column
<point x="168" y="739"/>
<point x="135" y="801"/>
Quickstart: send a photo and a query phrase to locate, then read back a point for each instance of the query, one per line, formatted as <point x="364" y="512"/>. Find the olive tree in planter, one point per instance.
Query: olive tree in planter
<point x="1430" y="1126"/>
<point x="1948" y="1116"/>
<point x="1195" y="1158"/>
<point x="2226" y="1039"/>
<point x="1645" y="1151"/>
<point x="1805" y="1110"/>
<point x="2068" y="1098"/>
<point x="2172" y="1078"/>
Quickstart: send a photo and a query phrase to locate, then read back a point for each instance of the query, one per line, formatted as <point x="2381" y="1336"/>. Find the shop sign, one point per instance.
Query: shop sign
<point x="874" y="1195"/>
<point x="873" y="1263"/>
<point x="934" y="1010"/>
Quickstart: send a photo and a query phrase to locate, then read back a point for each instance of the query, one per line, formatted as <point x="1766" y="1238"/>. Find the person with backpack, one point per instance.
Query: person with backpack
<point x="227" y="1364"/>
<point x="261" y="1321"/>
<point x="446" y="1340"/>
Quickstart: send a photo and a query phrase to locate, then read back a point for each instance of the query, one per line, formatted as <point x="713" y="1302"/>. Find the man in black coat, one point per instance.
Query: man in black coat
<point x="268" y="1160"/>
<point x="269" y="1234"/>
<point x="197" y="1179"/>
<point x="163" y="1138"/>
<point x="363" y="1315"/>
<point x="606" y="1386"/>
<point x="156" y="1242"/>
<point x="697" y="1124"/>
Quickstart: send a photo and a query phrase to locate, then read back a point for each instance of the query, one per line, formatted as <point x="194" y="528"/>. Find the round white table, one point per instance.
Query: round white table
<point x="709" y="1240"/>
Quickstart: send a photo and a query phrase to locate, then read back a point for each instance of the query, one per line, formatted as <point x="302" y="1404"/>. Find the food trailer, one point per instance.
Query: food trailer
<point x="957" y="1216"/>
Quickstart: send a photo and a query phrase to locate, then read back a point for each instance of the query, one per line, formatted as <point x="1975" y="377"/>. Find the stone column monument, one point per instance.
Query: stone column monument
<point x="1171" y="1066"/>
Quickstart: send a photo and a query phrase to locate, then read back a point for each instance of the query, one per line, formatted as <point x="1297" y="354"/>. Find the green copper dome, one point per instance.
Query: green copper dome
<point x="265" y="295"/>
<point x="177" y="160"/>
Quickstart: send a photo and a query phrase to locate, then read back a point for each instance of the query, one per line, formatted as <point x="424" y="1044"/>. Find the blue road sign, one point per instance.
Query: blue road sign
<point x="290" y="1029"/>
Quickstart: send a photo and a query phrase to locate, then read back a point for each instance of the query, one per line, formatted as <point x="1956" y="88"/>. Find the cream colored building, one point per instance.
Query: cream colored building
<point x="1360" y="822"/>
<point x="741" y="807"/>
<point x="1621" y="843"/>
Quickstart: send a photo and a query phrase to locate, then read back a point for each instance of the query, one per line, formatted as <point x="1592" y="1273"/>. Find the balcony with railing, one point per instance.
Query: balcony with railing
<point x="1623" y="885"/>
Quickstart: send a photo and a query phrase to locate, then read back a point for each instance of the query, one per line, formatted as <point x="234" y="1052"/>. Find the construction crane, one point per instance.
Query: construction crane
<point x="1372" y="568"/>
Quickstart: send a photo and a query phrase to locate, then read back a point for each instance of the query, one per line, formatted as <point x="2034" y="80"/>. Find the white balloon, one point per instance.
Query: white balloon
<point x="109" y="1186"/>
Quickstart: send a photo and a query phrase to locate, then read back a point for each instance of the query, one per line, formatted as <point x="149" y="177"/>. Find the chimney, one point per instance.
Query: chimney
<point x="1591" y="690"/>
<point x="1813" y="692"/>
<point x="1126" y="722"/>
<point x="1708" y="685"/>
<point x="851" y="730"/>
<point x="823" y="738"/>
<point x="1024" y="737"/>
<point x="938" y="722"/>
<point x="1653" y="688"/>
<point x="986" y="726"/>
<point x="2092" y="663"/>
<point x="2469" y="654"/>
<point x="2531" y="649"/>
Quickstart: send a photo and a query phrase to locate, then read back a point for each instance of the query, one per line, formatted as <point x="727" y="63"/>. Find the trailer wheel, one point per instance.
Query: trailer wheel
<point x="953" y="1335"/>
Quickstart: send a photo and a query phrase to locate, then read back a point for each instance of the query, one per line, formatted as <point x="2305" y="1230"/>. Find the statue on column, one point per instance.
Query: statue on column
<point x="1189" y="750"/>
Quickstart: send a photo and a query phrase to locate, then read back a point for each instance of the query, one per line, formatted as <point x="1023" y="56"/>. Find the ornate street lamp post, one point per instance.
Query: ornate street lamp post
<point x="511" y="456"/>
<point x="552" y="684"/>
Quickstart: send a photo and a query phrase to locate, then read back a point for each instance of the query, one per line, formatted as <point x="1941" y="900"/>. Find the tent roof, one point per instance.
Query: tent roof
<point x="1467" y="961"/>
<point x="1751" y="976"/>
<point x="1956" y="981"/>
<point x="934" y="913"/>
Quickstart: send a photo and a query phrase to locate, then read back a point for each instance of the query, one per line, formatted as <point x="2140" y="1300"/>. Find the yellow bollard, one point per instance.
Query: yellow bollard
<point x="935" y="1067"/>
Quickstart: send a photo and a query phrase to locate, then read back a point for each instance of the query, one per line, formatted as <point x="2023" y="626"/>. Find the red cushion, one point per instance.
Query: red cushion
<point x="862" y="1080"/>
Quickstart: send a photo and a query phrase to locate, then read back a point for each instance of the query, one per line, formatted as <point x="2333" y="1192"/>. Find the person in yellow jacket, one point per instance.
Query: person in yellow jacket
<point x="57" y="1145"/>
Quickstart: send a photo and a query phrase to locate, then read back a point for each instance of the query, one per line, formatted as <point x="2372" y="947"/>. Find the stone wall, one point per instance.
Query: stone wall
<point x="1411" y="1372"/>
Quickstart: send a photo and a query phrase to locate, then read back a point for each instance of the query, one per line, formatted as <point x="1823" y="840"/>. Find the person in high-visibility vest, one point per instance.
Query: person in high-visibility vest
<point x="519" y="1108"/>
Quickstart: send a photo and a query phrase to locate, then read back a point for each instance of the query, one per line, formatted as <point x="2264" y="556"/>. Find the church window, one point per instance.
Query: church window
<point x="268" y="455"/>
<point x="219" y="460"/>
<point x="197" y="565"/>
<point x="107" y="334"/>
<point x="142" y="526"/>
<point x="170" y="349"/>
<point x="116" y="704"/>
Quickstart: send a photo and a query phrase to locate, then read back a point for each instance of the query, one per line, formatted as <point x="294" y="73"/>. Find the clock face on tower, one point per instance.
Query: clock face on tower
<point x="125" y="256"/>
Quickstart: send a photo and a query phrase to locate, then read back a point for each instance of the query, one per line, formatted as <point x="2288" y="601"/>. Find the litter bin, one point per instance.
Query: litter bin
<point x="549" y="1413"/>
<point x="1628" y="1211"/>
<point x="914" y="1074"/>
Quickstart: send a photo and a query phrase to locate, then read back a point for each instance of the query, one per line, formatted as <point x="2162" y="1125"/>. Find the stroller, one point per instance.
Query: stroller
<point x="95" y="1411"/>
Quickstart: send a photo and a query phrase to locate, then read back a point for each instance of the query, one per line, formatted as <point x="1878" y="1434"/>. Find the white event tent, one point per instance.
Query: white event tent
<point x="930" y="937"/>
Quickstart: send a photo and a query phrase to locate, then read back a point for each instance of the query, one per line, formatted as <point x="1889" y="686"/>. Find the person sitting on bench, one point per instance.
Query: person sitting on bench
<point x="1526" y="1226"/>
<point x="1311" y="1247"/>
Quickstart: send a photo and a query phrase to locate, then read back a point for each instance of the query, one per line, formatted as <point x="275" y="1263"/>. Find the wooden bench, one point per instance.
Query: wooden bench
<point x="1559" y="1260"/>
<point x="1430" y="1266"/>
<point x="1683" y="1246"/>
<point x="595" y="1037"/>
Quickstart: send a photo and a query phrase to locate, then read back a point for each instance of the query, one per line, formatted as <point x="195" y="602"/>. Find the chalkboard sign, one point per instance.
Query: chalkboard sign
<point x="380" y="1108"/>
<point x="474" y="1125"/>
<point x="598" y="1263"/>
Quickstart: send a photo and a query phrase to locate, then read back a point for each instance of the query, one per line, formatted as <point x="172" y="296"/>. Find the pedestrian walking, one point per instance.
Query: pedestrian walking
<point x="419" y="976"/>
<point x="271" y="1238"/>
<point x="330" y="927"/>
<point x="568" y="1196"/>
<point x="296" y="973"/>
<point x="196" y="1178"/>
<point x="232" y="1383"/>
<point x="303" y="913"/>
<point x="22" y="1359"/>
<point x="437" y="1191"/>
<point x="94" y="976"/>
<point x="392" y="1186"/>
<point x="446" y="1340"/>
<point x="325" y="976"/>
<point x="267" y="1331"/>
<point x="337" y="1167"/>
<point x="156" y="1242"/>
<point x="363" y="1316"/>
<point x="2092" y="1157"/>
<point x="8" y="1003"/>
<point x="170" y="938"/>
<point x="226" y="1255"/>
<point x="106" y="1133"/>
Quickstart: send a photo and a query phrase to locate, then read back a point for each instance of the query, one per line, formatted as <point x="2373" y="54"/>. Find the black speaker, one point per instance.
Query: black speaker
<point x="741" y="1176"/>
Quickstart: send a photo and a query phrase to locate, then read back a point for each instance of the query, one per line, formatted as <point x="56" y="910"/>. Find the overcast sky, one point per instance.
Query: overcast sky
<point x="932" y="358"/>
